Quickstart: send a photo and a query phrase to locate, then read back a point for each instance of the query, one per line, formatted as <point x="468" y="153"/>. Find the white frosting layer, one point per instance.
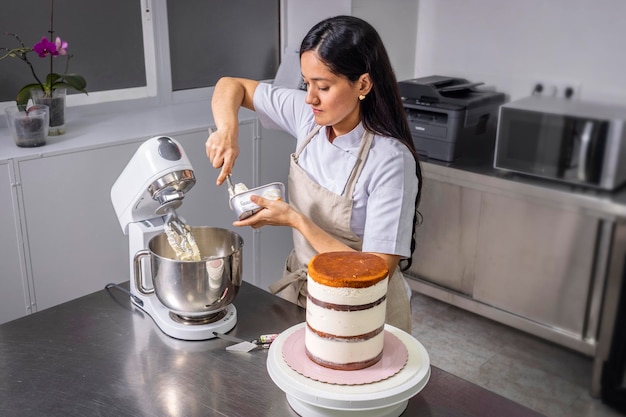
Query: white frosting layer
<point x="240" y="187"/>
<point x="341" y="352"/>
<point x="345" y="295"/>
<point x="345" y="323"/>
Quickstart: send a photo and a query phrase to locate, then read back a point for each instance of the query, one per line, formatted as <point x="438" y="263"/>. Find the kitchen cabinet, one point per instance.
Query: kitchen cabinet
<point x="275" y="243"/>
<point x="446" y="240"/>
<point x="14" y="296"/>
<point x="75" y="243"/>
<point x="72" y="242"/>
<point x="536" y="261"/>
<point x="528" y="254"/>
<point x="73" y="230"/>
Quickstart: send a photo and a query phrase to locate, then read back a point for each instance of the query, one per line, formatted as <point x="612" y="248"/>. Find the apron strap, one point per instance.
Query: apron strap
<point x="292" y="286"/>
<point x="306" y="141"/>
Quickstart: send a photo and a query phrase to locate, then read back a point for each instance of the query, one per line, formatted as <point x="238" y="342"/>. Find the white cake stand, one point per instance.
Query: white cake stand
<point x="386" y="398"/>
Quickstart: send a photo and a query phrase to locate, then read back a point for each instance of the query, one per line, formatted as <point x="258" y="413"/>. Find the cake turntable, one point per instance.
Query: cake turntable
<point x="394" y="383"/>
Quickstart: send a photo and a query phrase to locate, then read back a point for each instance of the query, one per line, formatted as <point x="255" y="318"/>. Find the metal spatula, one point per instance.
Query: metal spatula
<point x="231" y="186"/>
<point x="240" y="346"/>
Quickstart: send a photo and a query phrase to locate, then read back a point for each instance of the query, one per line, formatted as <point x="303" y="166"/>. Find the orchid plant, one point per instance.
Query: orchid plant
<point x="45" y="48"/>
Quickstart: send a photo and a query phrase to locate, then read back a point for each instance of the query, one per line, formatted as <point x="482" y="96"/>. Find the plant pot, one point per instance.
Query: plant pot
<point x="28" y="128"/>
<point x="56" y="103"/>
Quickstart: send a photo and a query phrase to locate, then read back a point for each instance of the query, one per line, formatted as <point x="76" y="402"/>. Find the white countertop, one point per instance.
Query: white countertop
<point x="98" y="125"/>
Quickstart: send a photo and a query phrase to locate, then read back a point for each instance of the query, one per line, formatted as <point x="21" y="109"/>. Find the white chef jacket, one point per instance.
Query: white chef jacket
<point x="384" y="196"/>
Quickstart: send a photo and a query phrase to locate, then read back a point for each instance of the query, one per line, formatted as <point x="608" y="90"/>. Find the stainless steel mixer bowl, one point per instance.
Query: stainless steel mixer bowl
<point x="194" y="288"/>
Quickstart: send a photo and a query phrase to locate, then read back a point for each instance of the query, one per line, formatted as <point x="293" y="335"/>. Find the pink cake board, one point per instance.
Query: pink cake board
<point x="395" y="355"/>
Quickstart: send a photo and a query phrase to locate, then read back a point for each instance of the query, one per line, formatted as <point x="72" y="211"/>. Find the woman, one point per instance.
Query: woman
<point x="354" y="180"/>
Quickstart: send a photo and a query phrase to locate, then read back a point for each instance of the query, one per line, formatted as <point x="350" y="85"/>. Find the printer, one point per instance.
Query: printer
<point x="450" y="118"/>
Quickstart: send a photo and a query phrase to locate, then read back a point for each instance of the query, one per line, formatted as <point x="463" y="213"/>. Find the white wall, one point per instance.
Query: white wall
<point x="301" y="15"/>
<point x="510" y="44"/>
<point x="395" y="21"/>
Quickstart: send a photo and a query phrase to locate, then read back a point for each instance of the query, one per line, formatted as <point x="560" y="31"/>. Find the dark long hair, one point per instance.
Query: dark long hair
<point x="351" y="47"/>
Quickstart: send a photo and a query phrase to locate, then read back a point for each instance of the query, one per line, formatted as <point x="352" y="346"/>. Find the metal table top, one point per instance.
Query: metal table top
<point x="100" y="356"/>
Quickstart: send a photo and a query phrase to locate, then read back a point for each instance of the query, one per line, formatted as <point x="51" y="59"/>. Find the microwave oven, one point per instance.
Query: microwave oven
<point x="571" y="141"/>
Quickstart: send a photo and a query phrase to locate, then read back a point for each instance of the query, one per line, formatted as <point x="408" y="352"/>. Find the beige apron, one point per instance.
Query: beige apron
<point x="331" y="212"/>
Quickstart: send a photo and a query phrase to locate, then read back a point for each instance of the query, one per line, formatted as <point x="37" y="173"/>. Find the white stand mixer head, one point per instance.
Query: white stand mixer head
<point x="155" y="179"/>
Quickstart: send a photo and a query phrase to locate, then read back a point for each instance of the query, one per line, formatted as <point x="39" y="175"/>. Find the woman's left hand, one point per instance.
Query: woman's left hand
<point x="274" y="213"/>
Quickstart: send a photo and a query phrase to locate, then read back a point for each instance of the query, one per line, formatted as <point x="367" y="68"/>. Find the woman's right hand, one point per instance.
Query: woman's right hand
<point x="222" y="149"/>
<point x="222" y="146"/>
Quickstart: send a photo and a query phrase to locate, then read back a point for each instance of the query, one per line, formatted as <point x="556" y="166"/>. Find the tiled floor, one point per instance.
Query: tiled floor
<point x="541" y="375"/>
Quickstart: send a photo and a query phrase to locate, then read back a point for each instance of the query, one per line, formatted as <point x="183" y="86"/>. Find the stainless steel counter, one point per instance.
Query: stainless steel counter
<point x="527" y="252"/>
<point x="541" y="256"/>
<point x="99" y="356"/>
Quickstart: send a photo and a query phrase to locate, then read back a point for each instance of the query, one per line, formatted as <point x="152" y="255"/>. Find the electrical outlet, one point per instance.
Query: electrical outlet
<point x="563" y="89"/>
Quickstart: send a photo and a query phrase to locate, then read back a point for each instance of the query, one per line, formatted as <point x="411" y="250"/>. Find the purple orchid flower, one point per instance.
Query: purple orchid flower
<point x="44" y="48"/>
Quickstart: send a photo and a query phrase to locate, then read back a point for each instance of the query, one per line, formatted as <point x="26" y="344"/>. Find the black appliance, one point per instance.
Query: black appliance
<point x="450" y="118"/>
<point x="571" y="141"/>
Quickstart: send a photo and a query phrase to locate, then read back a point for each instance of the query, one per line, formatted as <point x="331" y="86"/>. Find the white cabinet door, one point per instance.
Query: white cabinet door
<point x="275" y="243"/>
<point x="75" y="241"/>
<point x="14" y="297"/>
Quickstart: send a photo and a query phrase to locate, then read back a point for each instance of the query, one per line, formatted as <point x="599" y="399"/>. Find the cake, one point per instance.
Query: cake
<point x="345" y="311"/>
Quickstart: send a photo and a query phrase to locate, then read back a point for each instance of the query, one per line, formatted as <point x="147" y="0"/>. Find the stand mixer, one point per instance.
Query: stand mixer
<point x="145" y="198"/>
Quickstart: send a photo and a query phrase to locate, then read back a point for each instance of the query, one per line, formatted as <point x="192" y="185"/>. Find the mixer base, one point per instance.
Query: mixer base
<point x="187" y="330"/>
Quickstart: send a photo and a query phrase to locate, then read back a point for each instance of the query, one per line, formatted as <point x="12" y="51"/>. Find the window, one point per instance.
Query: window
<point x="105" y="38"/>
<point x="121" y="48"/>
<point x="209" y="39"/>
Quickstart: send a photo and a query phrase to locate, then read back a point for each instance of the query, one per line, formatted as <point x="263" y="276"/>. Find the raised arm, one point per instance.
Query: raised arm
<point x="222" y="146"/>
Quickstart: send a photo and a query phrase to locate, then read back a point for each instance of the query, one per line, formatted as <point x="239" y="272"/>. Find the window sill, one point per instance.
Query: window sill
<point x="105" y="125"/>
